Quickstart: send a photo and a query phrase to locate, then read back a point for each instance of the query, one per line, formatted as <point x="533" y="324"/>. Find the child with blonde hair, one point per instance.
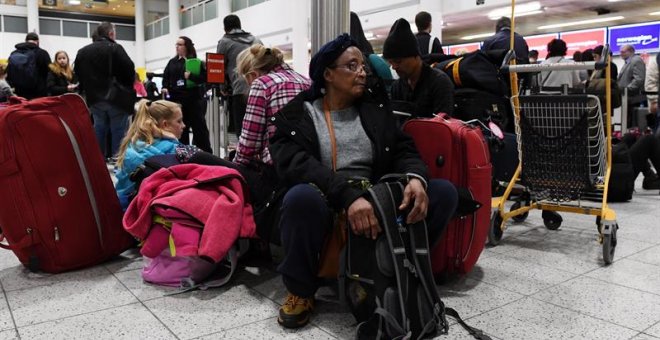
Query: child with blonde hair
<point x="155" y="130"/>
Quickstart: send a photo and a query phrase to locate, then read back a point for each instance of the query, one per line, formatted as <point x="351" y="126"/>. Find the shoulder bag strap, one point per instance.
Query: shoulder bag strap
<point x="431" y="39"/>
<point x="331" y="131"/>
<point x="549" y="73"/>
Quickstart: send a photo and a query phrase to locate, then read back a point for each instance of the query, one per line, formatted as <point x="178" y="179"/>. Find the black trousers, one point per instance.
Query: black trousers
<point x="194" y="117"/>
<point x="642" y="150"/>
<point x="306" y="219"/>
<point x="237" y="107"/>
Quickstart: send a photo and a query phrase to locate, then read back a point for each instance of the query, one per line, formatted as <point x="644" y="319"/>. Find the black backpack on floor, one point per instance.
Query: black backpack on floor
<point x="388" y="282"/>
<point x="622" y="177"/>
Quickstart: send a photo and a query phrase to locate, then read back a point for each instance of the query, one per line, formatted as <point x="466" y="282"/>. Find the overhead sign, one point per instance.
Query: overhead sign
<point x="643" y="37"/>
<point x="215" y="68"/>
<point x="540" y="43"/>
<point x="583" y="40"/>
<point x="463" y="48"/>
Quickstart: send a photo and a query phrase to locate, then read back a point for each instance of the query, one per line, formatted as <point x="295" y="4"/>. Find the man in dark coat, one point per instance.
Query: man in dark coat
<point x="232" y="43"/>
<point x="501" y="40"/>
<point x="96" y="65"/>
<point x="430" y="91"/>
<point x="35" y="86"/>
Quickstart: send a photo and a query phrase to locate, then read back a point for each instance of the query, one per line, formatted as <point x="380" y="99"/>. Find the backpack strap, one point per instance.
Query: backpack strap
<point x="386" y="214"/>
<point x="431" y="39"/>
<point x="188" y="285"/>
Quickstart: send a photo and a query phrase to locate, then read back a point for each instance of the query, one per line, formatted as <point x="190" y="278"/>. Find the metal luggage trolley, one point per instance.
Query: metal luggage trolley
<point x="564" y="147"/>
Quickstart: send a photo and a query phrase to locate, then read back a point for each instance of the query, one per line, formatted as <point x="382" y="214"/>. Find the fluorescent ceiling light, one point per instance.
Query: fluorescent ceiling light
<point x="520" y="9"/>
<point x="73" y="2"/>
<point x="655" y="13"/>
<point x="581" y="22"/>
<point x="475" y="36"/>
<point x="520" y="14"/>
<point x="615" y="0"/>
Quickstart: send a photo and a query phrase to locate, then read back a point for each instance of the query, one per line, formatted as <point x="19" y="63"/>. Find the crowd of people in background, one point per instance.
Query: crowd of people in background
<point x="292" y="125"/>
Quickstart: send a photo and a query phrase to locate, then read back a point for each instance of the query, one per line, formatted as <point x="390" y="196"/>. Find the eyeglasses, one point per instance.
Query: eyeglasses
<point x="353" y="66"/>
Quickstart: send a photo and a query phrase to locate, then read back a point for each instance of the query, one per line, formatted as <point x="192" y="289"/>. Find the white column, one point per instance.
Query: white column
<point x="224" y="9"/>
<point x="175" y="24"/>
<point x="139" y="34"/>
<point x="33" y="16"/>
<point x="301" y="11"/>
<point x="328" y="20"/>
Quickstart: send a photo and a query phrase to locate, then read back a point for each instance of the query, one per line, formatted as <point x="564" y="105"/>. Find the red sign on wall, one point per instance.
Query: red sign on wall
<point x="463" y="48"/>
<point x="540" y="43"/>
<point x="215" y="68"/>
<point x="582" y="40"/>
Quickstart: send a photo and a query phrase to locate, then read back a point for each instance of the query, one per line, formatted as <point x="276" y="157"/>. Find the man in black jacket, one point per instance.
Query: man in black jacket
<point x="501" y="40"/>
<point x="104" y="68"/>
<point x="429" y="90"/>
<point x="427" y="43"/>
<point x="28" y="68"/>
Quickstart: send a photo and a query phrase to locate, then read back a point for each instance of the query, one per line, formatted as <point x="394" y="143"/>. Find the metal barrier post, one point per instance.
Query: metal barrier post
<point x="624" y="111"/>
<point x="328" y="20"/>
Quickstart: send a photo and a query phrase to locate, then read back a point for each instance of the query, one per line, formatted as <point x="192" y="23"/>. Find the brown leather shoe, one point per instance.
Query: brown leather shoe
<point x="296" y="311"/>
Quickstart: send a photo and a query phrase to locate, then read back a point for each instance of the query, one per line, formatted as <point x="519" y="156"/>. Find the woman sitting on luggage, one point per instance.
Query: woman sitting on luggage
<point x="61" y="78"/>
<point x="155" y="130"/>
<point x="331" y="142"/>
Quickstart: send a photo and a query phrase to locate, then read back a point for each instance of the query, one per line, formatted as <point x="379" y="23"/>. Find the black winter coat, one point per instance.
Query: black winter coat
<point x="42" y="59"/>
<point x="92" y="66"/>
<point x="57" y="83"/>
<point x="296" y="156"/>
<point x="173" y="77"/>
<point x="433" y="93"/>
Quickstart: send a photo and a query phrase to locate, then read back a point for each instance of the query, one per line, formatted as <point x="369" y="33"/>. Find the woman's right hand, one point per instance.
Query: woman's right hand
<point x="362" y="218"/>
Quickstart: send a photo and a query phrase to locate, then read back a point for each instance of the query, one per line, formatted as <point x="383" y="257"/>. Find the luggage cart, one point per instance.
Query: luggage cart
<point x="564" y="144"/>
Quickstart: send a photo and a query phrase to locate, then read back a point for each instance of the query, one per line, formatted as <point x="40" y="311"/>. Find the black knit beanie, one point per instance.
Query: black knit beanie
<point x="325" y="57"/>
<point x="400" y="42"/>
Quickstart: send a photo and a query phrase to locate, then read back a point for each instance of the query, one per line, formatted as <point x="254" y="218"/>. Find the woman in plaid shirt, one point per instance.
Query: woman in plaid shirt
<point x="273" y="84"/>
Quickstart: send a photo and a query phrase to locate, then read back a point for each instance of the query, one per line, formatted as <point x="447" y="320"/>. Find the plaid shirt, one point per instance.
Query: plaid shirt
<point x="268" y="94"/>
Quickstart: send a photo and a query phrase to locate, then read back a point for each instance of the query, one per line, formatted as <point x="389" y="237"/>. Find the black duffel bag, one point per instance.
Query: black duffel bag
<point x="477" y="70"/>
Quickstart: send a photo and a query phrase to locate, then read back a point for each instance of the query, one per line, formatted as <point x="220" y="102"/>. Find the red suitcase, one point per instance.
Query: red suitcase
<point x="58" y="208"/>
<point x="457" y="152"/>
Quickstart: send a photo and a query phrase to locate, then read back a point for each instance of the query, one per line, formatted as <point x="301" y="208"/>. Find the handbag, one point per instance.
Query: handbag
<point x="120" y="96"/>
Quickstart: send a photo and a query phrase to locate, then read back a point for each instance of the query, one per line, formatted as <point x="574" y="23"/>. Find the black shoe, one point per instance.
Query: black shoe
<point x="651" y="183"/>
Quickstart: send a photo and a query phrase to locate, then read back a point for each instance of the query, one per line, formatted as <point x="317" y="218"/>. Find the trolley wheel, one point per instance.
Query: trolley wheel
<point x="552" y="220"/>
<point x="609" y="245"/>
<point x="495" y="230"/>
<point x="518" y="218"/>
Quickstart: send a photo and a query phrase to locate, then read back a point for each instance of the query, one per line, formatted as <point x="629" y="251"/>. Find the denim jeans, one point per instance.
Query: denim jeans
<point x="108" y="118"/>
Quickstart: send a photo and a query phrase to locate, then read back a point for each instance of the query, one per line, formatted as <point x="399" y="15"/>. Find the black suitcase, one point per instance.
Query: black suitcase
<point x="475" y="104"/>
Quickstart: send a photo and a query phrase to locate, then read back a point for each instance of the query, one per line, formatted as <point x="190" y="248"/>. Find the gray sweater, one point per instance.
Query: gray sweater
<point x="354" y="148"/>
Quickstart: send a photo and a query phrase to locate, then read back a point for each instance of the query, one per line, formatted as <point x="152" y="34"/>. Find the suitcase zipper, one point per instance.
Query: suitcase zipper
<point x="85" y="176"/>
<point x="57" y="234"/>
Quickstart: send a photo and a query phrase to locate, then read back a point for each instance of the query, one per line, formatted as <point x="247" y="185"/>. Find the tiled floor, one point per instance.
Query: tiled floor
<point x="537" y="284"/>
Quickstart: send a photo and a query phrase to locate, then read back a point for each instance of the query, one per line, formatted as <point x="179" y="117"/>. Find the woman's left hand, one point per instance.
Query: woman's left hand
<point x="415" y="192"/>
